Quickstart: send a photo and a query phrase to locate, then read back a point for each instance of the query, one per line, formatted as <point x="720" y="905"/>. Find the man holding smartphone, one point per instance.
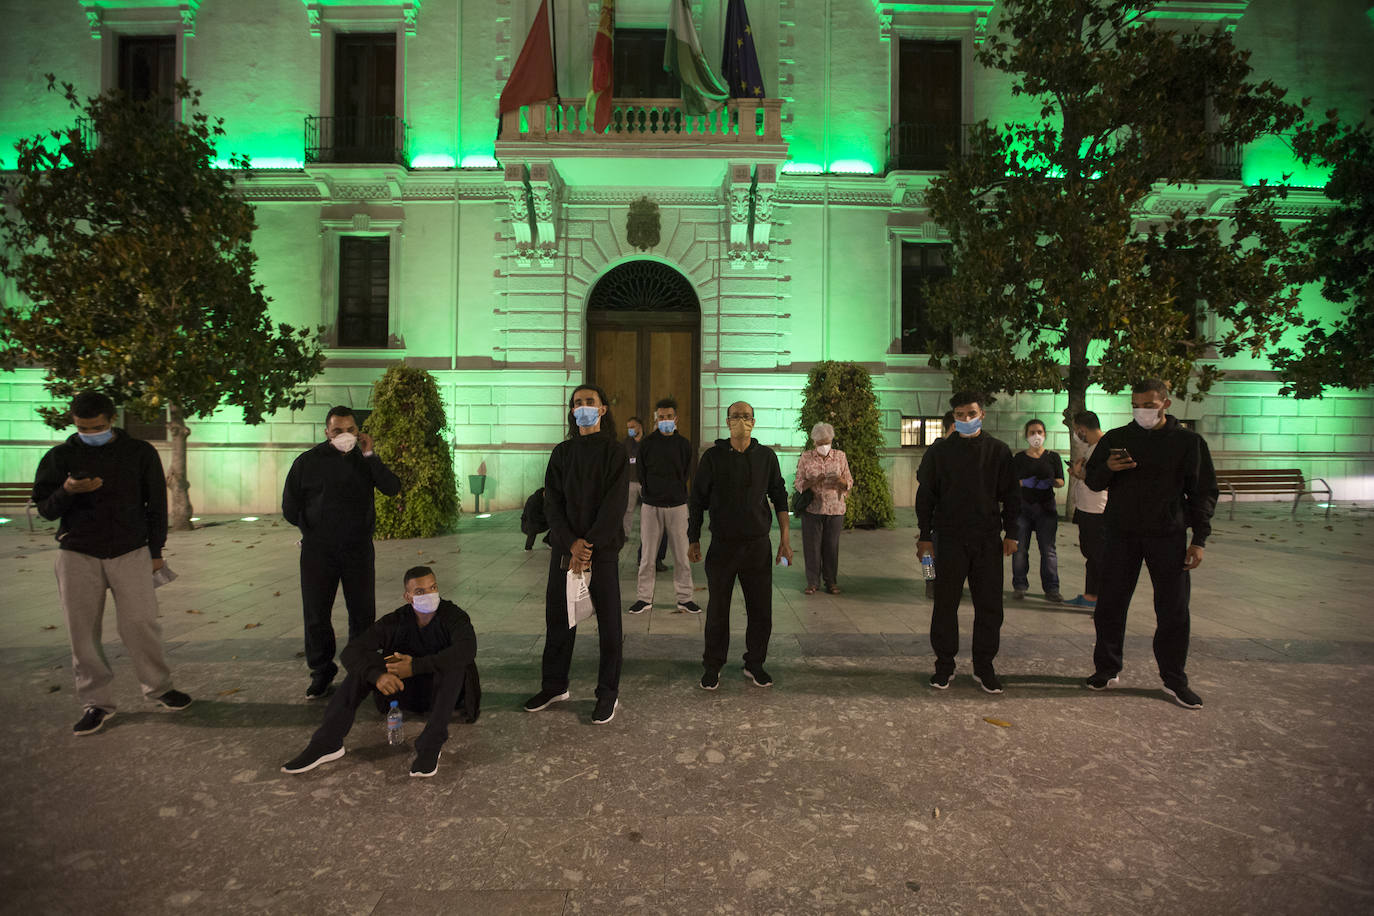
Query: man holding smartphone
<point x="1162" y="483"/>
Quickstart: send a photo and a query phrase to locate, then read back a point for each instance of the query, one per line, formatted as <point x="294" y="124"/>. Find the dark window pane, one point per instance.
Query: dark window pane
<point x="637" y="57"/>
<point x="364" y="125"/>
<point x="921" y="263"/>
<point x="147" y="67"/>
<point x="364" y="288"/>
<point x="929" y="104"/>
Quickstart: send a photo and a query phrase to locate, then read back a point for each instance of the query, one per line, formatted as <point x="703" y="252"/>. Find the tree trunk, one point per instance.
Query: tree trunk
<point x="178" y="486"/>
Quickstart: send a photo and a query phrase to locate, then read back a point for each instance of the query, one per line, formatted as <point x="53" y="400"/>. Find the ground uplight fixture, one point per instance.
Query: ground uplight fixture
<point x="484" y="515"/>
<point x="249" y="518"/>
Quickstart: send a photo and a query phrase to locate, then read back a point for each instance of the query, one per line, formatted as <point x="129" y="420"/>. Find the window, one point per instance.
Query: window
<point x="919" y="432"/>
<point x="147" y="67"/>
<point x="638" y="66"/>
<point x="929" y="104"/>
<point x="364" y="291"/>
<point x="365" y="128"/>
<point x="921" y="263"/>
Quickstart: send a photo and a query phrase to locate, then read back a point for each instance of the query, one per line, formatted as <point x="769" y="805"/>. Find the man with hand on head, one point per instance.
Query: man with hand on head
<point x="735" y="482"/>
<point x="110" y="494"/>
<point x="1162" y="483"/>
<point x="423" y="656"/>
<point x="328" y="496"/>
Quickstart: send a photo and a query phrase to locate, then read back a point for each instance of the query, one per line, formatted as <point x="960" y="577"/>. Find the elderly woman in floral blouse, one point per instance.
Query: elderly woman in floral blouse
<point x="825" y="472"/>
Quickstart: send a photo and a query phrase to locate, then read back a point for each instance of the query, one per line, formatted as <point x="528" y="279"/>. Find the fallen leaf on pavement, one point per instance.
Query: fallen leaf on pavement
<point x="230" y="691"/>
<point x="250" y="626"/>
<point x="998" y="722"/>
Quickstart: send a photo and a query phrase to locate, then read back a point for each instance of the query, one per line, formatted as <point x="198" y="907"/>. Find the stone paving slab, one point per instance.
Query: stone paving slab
<point x="850" y="787"/>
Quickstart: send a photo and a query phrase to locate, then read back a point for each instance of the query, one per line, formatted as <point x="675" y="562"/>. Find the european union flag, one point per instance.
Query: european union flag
<point x="739" y="62"/>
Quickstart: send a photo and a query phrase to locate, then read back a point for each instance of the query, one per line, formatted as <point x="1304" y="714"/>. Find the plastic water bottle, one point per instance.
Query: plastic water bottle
<point x="928" y="567"/>
<point x="394" y="735"/>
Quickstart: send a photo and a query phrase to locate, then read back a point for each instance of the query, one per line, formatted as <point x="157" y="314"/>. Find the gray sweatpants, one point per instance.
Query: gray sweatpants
<point x="82" y="581"/>
<point x="653" y="521"/>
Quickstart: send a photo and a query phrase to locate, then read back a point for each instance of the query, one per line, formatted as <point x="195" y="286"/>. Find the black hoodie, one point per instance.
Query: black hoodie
<point x="1172" y="487"/>
<point x="128" y="511"/>
<point x="665" y="463"/>
<point x="586" y="489"/>
<point x="328" y="494"/>
<point x="966" y="486"/>
<point x="736" y="488"/>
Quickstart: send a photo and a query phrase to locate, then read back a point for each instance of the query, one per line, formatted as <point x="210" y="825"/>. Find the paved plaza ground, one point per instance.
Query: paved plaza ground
<point x="849" y="787"/>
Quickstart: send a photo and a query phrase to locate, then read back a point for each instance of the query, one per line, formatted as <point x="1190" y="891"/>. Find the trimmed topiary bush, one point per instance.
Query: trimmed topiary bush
<point x="407" y="424"/>
<point x="841" y="394"/>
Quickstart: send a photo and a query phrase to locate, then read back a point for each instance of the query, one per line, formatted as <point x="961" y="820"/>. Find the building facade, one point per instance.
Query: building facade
<point x="710" y="258"/>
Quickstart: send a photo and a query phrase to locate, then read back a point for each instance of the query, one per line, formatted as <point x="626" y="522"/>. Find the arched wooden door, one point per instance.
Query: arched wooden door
<point x="644" y="343"/>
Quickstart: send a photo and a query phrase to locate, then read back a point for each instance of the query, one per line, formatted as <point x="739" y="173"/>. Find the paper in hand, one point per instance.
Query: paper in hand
<point x="162" y="576"/>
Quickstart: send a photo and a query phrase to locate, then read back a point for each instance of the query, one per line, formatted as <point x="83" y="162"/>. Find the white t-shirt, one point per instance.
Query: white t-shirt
<point x="1086" y="500"/>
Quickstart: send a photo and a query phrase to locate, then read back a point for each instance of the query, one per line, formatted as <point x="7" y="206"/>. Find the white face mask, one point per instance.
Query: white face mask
<point x="823" y="450"/>
<point x="1036" y="440"/>
<point x="425" y="604"/>
<point x="1147" y="417"/>
<point x="344" y="442"/>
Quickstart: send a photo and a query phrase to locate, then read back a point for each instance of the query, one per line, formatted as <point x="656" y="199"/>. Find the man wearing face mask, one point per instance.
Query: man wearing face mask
<point x="423" y="656"/>
<point x="109" y="492"/>
<point x="328" y="496"/>
<point x="665" y="460"/>
<point x="1040" y="473"/>
<point x="967" y="493"/>
<point x="735" y="482"/>
<point x="1162" y="483"/>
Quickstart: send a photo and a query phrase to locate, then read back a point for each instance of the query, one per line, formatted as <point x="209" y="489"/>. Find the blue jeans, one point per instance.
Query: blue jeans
<point x="1044" y="521"/>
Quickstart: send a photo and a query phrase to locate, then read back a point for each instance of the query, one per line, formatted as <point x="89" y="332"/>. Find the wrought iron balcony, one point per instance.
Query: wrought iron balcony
<point x="644" y="122"/>
<point x="1223" y="162"/>
<point x="374" y="140"/>
<point x="925" y="147"/>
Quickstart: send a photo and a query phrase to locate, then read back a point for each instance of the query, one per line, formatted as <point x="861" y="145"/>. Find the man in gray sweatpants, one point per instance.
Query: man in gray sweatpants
<point x="665" y="463"/>
<point x="110" y="493"/>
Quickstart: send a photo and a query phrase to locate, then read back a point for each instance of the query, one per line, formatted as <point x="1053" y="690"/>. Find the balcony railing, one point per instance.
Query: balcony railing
<point x="375" y="140"/>
<point x="1223" y="162"/>
<point x="926" y="147"/>
<point x="646" y="121"/>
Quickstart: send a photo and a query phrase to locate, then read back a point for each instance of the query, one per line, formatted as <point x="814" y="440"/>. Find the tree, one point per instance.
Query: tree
<point x="407" y="423"/>
<point x="1061" y="278"/>
<point x="841" y="394"/>
<point x="134" y="254"/>
<point x="1339" y="249"/>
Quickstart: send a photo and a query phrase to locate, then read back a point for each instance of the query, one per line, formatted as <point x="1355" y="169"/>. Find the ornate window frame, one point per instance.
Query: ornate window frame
<point x="964" y="21"/>
<point x="326" y="18"/>
<point x="335" y="225"/>
<point x="113" y="19"/>
<point x="927" y="232"/>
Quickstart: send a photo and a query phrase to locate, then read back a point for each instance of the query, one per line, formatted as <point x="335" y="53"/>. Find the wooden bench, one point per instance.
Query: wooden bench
<point x="17" y="494"/>
<point x="1272" y="482"/>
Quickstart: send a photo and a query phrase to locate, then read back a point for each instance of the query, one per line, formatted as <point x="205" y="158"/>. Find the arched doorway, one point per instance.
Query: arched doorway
<point x="644" y="342"/>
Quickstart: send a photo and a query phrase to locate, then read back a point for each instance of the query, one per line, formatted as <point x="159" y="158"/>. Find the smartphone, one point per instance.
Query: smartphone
<point x="393" y="657"/>
<point x="1122" y="454"/>
<point x="80" y="475"/>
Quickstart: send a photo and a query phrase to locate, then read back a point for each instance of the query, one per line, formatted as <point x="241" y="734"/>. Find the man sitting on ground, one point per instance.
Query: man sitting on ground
<point x="421" y="654"/>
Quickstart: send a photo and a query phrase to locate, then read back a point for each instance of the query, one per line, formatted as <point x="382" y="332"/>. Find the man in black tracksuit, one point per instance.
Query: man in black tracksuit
<point x="968" y="492"/>
<point x="1162" y="483"/>
<point x="586" y="487"/>
<point x="422" y="656"/>
<point x="328" y="496"/>
<point x="735" y="482"/>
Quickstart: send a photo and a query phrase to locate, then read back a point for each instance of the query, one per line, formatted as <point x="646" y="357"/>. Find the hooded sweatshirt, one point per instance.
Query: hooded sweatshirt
<point x="967" y="487"/>
<point x="328" y="494"/>
<point x="664" y="465"/>
<point x="736" y="488"/>
<point x="1172" y="487"/>
<point x="129" y="509"/>
<point x="586" y="489"/>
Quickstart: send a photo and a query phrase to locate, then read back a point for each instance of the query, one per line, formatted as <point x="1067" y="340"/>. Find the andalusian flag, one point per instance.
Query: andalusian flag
<point x="701" y="91"/>
<point x="599" y="93"/>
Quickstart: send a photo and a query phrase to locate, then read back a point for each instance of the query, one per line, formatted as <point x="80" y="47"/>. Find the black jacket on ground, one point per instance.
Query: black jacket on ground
<point x="532" y="520"/>
<point x="328" y="494"/>
<point x="447" y="643"/>
<point x="1172" y="487"/>
<point x="967" y="486"/>
<point x="664" y="465"/>
<point x="586" y="489"/>
<point x="736" y="488"/>
<point x="127" y="512"/>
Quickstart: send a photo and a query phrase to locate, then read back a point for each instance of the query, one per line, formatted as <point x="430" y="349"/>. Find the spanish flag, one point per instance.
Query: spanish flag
<point x="532" y="79"/>
<point x="599" y="93"/>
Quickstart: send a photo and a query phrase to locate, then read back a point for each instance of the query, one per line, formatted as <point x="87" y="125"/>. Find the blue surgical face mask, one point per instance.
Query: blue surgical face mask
<point x="968" y="427"/>
<point x="97" y="438"/>
<point x="667" y="426"/>
<point x="633" y="433"/>
<point x="586" y="416"/>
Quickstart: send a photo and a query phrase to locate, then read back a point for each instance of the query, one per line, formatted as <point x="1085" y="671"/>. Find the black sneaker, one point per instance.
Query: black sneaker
<point x="1054" y="597"/>
<point x="425" y="764"/>
<point x="319" y="683"/>
<point x="544" y="699"/>
<point x="93" y="721"/>
<point x="173" y="699"/>
<point x="689" y="607"/>
<point x="605" y="710"/>
<point x="311" y="757"/>
<point x="1184" y="697"/>
<point x="941" y="681"/>
<point x="639" y="607"/>
<point x="760" y="677"/>
<point x="710" y="680"/>
<point x="1100" y="680"/>
<point x="989" y="681"/>
<point x="1018" y="593"/>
